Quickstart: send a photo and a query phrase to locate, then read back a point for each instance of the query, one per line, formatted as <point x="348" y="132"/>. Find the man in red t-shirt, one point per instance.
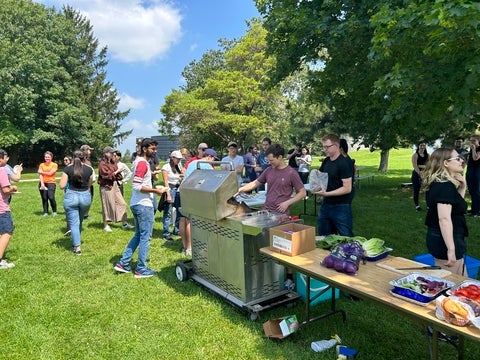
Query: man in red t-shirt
<point x="201" y="148"/>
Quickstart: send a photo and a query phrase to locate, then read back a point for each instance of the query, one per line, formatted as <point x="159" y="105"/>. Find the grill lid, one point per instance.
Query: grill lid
<point x="206" y="193"/>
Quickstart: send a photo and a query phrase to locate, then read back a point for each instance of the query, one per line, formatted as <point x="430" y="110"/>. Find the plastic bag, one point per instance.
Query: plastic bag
<point x="318" y="180"/>
<point x="453" y="311"/>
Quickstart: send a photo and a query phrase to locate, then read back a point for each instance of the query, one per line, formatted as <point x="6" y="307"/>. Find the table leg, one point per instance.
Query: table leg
<point x="308" y="301"/>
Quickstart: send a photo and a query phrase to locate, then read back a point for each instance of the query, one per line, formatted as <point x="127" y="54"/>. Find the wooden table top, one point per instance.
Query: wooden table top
<point x="372" y="282"/>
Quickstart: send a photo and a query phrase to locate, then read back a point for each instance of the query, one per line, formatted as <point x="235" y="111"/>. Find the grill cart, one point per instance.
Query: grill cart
<point x="226" y="239"/>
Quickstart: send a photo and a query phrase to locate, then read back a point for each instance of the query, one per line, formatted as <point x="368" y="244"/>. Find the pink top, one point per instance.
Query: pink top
<point x="4" y="206"/>
<point x="280" y="185"/>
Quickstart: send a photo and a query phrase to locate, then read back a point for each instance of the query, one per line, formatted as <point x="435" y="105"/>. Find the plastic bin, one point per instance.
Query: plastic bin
<point x="315" y="287"/>
<point x="426" y="259"/>
<point x="472" y="266"/>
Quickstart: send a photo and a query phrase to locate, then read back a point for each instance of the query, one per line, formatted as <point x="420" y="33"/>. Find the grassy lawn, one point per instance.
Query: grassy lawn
<point x="54" y="305"/>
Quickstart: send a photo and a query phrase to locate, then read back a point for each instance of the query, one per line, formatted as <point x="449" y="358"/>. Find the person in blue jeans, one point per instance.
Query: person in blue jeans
<point x="142" y="207"/>
<point x="335" y="216"/>
<point x="76" y="180"/>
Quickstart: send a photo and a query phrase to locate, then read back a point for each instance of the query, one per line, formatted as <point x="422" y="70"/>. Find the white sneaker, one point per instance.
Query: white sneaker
<point x="127" y="226"/>
<point x="4" y="264"/>
<point x="107" y="228"/>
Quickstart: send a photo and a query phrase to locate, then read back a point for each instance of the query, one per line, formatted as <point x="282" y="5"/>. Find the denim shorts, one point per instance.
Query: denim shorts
<point x="6" y="223"/>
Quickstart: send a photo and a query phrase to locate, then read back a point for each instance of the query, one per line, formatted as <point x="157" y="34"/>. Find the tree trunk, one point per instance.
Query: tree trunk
<point x="383" y="168"/>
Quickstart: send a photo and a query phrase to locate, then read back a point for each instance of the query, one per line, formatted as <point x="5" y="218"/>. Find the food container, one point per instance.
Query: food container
<point x="463" y="292"/>
<point x="423" y="295"/>
<point x="380" y="256"/>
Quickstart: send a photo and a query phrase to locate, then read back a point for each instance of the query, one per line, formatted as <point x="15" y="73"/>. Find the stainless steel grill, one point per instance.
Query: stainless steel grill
<point x="226" y="244"/>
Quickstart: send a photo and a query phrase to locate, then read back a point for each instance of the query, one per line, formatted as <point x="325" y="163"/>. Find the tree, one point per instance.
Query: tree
<point x="432" y="49"/>
<point x="53" y="89"/>
<point x="223" y="99"/>
<point x="414" y="81"/>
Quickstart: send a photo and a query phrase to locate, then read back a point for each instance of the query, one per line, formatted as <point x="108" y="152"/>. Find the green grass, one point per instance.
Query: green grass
<point x="54" y="305"/>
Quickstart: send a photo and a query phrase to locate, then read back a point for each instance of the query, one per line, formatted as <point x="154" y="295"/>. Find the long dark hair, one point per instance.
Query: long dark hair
<point x="78" y="160"/>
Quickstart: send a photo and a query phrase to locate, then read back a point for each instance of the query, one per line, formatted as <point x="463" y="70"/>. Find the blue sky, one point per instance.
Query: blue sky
<point x="151" y="41"/>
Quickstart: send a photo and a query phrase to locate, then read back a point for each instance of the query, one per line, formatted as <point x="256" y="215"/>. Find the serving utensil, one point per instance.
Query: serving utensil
<point x="431" y="267"/>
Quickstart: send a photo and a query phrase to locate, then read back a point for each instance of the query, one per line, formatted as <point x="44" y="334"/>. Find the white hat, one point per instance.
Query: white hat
<point x="176" y="154"/>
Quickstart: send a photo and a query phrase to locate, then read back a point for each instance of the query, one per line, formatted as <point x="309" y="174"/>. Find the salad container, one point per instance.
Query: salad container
<point x="380" y="256"/>
<point x="421" y="288"/>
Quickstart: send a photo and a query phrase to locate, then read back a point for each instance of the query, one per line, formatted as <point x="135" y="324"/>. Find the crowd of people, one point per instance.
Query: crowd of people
<point x="282" y="174"/>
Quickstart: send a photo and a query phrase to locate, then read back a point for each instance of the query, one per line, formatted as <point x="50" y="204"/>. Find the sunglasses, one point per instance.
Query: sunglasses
<point x="458" y="158"/>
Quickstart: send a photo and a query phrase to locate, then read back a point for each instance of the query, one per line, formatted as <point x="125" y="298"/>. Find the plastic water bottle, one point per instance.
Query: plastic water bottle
<point x="319" y="346"/>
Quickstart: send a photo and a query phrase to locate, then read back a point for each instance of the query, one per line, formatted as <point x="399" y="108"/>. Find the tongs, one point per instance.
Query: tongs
<point x="431" y="267"/>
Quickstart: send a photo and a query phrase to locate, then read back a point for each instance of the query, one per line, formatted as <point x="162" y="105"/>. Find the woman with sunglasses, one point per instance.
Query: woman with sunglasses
<point x="447" y="228"/>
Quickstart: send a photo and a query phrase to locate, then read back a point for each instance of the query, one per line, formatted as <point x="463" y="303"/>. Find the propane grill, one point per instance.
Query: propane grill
<point x="226" y="238"/>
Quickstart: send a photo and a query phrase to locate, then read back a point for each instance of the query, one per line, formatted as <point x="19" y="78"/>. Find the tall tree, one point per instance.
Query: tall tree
<point x="417" y="80"/>
<point x="223" y="99"/>
<point x="53" y="89"/>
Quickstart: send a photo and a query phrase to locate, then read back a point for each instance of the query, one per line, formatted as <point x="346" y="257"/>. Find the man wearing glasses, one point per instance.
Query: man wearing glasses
<point x="335" y="216"/>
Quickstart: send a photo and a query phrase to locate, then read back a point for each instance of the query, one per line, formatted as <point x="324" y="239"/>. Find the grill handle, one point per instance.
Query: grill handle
<point x="229" y="163"/>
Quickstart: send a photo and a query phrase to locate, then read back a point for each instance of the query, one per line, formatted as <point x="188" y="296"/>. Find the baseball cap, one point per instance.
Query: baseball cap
<point x="176" y="154"/>
<point x="202" y="146"/>
<point x="210" y="152"/>
<point x="108" y="149"/>
<point x="86" y="147"/>
<point x="232" y="143"/>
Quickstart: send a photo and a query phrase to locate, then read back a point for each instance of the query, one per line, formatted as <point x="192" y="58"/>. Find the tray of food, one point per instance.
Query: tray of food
<point x="420" y="287"/>
<point x="380" y="256"/>
<point x="469" y="290"/>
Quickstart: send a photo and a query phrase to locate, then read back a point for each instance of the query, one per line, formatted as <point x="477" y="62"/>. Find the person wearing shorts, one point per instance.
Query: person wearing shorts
<point x="6" y="221"/>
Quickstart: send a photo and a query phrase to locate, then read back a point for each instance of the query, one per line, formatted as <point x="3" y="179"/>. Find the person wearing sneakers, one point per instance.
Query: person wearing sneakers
<point x="47" y="172"/>
<point x="142" y="206"/>
<point x="6" y="222"/>
<point x="76" y="180"/>
<point x="114" y="207"/>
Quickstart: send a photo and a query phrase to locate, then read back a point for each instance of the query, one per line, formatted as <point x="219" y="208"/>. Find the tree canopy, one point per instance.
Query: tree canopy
<point x="53" y="89"/>
<point x="389" y="71"/>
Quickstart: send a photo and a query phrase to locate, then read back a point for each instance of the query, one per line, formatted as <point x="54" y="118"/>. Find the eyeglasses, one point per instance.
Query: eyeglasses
<point x="458" y="158"/>
<point x="328" y="146"/>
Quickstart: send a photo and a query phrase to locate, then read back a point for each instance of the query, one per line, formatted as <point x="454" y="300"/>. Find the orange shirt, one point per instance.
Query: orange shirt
<point x="49" y="179"/>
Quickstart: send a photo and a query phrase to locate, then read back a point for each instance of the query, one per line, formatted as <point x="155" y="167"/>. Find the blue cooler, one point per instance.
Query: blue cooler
<point x="426" y="259"/>
<point x="471" y="264"/>
<point x="315" y="287"/>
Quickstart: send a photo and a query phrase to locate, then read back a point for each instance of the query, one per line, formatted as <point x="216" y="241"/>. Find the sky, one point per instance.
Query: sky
<point x="149" y="44"/>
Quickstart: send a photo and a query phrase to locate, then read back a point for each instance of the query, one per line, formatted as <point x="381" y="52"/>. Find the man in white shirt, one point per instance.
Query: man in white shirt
<point x="235" y="159"/>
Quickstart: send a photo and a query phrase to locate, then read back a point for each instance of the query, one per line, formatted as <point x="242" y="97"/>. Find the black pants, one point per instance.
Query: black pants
<point x="49" y="196"/>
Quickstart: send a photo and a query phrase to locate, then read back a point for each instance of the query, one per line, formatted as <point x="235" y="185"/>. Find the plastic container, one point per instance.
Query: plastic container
<point x="380" y="256"/>
<point x="472" y="266"/>
<point x="315" y="287"/>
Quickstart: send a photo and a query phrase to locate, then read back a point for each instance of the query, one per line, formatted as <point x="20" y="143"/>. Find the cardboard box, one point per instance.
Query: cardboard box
<point x="292" y="239"/>
<point x="281" y="327"/>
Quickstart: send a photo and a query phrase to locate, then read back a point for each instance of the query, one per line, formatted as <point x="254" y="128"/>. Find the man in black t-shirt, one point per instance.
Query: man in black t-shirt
<point x="335" y="216"/>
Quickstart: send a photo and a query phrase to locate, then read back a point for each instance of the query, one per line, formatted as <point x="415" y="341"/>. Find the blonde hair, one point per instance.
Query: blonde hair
<point x="435" y="171"/>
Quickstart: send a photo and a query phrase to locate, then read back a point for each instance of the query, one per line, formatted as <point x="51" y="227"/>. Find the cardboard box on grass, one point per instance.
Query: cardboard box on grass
<point x="281" y="327"/>
<point x="292" y="239"/>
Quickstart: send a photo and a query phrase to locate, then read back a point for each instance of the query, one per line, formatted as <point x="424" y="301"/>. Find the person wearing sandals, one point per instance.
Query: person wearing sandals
<point x="76" y="180"/>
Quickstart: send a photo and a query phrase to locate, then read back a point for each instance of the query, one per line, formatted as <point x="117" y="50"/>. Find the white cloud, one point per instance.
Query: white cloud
<point x="133" y="30"/>
<point x="128" y="102"/>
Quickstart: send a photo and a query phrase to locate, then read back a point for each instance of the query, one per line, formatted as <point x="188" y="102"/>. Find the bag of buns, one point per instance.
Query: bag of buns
<point x="453" y="311"/>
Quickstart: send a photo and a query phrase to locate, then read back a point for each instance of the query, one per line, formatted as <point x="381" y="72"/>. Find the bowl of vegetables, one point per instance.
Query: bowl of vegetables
<point x="420" y="287"/>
